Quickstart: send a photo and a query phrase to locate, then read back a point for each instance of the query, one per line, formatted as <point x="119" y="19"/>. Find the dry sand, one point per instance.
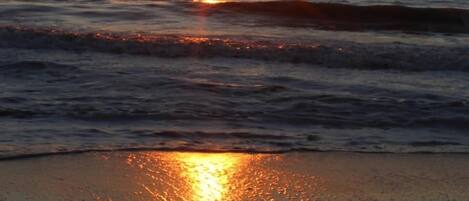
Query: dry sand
<point x="146" y="176"/>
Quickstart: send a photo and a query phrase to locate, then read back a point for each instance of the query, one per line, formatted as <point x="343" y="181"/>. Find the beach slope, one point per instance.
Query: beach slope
<point x="148" y="175"/>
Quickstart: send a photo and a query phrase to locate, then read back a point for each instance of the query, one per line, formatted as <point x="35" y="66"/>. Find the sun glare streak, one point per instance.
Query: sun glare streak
<point x="209" y="1"/>
<point x="193" y="176"/>
<point x="208" y="174"/>
<point x="217" y="176"/>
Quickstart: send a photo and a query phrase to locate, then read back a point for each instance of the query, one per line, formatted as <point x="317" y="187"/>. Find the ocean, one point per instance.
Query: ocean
<point x="243" y="76"/>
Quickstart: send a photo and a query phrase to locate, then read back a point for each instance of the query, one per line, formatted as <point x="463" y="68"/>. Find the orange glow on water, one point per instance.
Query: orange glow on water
<point x="209" y="174"/>
<point x="194" y="40"/>
<point x="195" y="176"/>
<point x="215" y="177"/>
<point x="209" y="1"/>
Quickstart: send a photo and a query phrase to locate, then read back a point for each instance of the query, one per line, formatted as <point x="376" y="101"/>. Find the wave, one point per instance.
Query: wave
<point x="183" y="114"/>
<point x="281" y="101"/>
<point x="25" y="68"/>
<point x="339" y="54"/>
<point x="302" y="114"/>
<point x="351" y="17"/>
<point x="21" y="156"/>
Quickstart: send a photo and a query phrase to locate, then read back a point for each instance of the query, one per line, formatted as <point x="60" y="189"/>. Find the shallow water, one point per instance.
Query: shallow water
<point x="138" y="176"/>
<point x="93" y="75"/>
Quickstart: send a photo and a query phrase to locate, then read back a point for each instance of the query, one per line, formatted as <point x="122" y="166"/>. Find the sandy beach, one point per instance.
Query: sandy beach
<point x="236" y="176"/>
<point x="234" y="100"/>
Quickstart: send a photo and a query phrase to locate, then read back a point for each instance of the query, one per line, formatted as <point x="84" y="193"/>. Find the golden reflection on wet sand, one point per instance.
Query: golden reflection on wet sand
<point x="208" y="175"/>
<point x="174" y="176"/>
<point x="215" y="176"/>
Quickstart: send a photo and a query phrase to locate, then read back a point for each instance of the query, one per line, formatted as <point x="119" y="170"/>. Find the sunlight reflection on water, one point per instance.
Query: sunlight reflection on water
<point x="216" y="176"/>
<point x="209" y="1"/>
<point x="209" y="174"/>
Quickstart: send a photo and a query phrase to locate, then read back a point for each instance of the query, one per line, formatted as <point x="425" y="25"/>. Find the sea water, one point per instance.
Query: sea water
<point x="254" y="76"/>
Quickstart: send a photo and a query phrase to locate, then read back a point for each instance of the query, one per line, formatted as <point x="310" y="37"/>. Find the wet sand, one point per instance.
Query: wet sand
<point x="235" y="176"/>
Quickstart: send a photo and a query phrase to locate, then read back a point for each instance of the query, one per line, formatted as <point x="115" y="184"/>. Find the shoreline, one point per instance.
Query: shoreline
<point x="159" y="175"/>
<point x="203" y="151"/>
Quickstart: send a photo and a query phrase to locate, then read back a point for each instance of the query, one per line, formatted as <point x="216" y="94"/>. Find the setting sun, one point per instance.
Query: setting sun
<point x="233" y="100"/>
<point x="209" y="1"/>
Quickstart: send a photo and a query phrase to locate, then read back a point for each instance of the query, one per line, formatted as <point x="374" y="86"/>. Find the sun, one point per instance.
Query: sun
<point x="209" y="1"/>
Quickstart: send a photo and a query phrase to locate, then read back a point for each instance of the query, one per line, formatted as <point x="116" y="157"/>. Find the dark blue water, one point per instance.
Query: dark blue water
<point x="372" y="76"/>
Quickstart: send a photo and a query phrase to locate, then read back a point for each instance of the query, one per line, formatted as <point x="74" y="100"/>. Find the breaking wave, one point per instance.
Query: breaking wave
<point x="332" y="16"/>
<point x="340" y="54"/>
